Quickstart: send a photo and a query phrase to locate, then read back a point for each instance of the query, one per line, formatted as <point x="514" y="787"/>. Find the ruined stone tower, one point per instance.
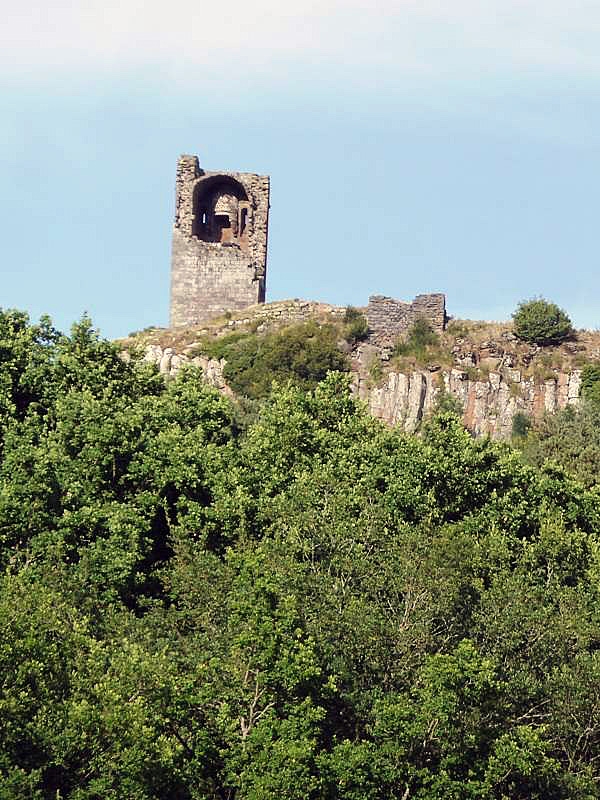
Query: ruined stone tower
<point x="219" y="256"/>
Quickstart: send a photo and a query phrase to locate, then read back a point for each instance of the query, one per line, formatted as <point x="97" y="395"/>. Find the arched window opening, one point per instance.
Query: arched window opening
<point x="218" y="211"/>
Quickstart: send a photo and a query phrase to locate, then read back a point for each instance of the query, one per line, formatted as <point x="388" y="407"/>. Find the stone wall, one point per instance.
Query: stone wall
<point x="287" y="312"/>
<point x="389" y="318"/>
<point x="219" y="250"/>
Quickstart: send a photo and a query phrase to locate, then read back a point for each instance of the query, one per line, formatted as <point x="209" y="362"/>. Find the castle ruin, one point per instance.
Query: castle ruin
<point x="219" y="252"/>
<point x="389" y="318"/>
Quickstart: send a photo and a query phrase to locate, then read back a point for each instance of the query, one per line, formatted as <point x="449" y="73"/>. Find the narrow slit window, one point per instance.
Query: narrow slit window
<point x="243" y="220"/>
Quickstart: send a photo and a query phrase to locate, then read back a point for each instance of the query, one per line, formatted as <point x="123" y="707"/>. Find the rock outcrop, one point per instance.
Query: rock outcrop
<point x="405" y="399"/>
<point x="169" y="363"/>
<point x="489" y="406"/>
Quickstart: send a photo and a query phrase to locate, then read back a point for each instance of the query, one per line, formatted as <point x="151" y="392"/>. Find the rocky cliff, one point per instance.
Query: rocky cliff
<point x="489" y="406"/>
<point x="490" y="374"/>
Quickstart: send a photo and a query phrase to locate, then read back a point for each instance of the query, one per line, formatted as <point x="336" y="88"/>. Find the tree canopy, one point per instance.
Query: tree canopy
<point x="308" y="606"/>
<point x="541" y="322"/>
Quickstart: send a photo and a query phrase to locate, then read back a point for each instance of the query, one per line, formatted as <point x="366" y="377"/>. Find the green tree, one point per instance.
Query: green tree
<point x="316" y="606"/>
<point x="570" y="438"/>
<point x="541" y="322"/>
<point x="521" y="425"/>
<point x="590" y="383"/>
<point x="26" y="359"/>
<point x="302" y="353"/>
<point x="356" y="326"/>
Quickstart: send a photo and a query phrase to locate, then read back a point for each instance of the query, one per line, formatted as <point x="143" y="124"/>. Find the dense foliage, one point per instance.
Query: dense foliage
<point x="521" y="425"/>
<point x="313" y="607"/>
<point x="541" y="322"/>
<point x="590" y="383"/>
<point x="571" y="438"/>
<point x="356" y="326"/>
<point x="302" y="353"/>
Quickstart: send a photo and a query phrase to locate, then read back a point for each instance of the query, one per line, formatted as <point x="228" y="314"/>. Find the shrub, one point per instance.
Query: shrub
<point x="571" y="438"/>
<point x="420" y="337"/>
<point x="520" y="425"/>
<point x="541" y="322"/>
<point x="448" y="403"/>
<point x="590" y="383"/>
<point x="302" y="353"/>
<point x="356" y="327"/>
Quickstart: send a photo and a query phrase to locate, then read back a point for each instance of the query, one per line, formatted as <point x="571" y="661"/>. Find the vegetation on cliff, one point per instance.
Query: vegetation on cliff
<point x="312" y="606"/>
<point x="570" y="438"/>
<point x="302" y="353"/>
<point x="541" y="322"/>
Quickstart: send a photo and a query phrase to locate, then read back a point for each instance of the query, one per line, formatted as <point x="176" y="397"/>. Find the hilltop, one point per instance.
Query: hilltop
<point x="492" y="374"/>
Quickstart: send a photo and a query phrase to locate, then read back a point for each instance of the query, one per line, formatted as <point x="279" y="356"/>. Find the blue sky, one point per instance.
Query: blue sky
<point x="413" y="147"/>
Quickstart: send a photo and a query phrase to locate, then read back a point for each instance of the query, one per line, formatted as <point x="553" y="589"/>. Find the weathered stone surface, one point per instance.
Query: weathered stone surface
<point x="170" y="363"/>
<point x="574" y="387"/>
<point x="165" y="361"/>
<point x="177" y="362"/>
<point x="388" y="318"/>
<point x="285" y="312"/>
<point x="153" y="354"/>
<point x="219" y="251"/>
<point x="417" y="392"/>
<point x="488" y="406"/>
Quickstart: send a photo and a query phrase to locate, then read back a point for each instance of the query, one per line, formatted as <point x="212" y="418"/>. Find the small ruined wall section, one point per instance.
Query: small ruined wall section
<point x="286" y="312"/>
<point x="488" y="406"/>
<point x="431" y="307"/>
<point x="389" y="318"/>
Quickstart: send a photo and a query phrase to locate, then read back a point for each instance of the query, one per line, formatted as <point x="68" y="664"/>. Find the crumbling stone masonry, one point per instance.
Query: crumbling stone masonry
<point x="219" y="253"/>
<point x="389" y="318"/>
